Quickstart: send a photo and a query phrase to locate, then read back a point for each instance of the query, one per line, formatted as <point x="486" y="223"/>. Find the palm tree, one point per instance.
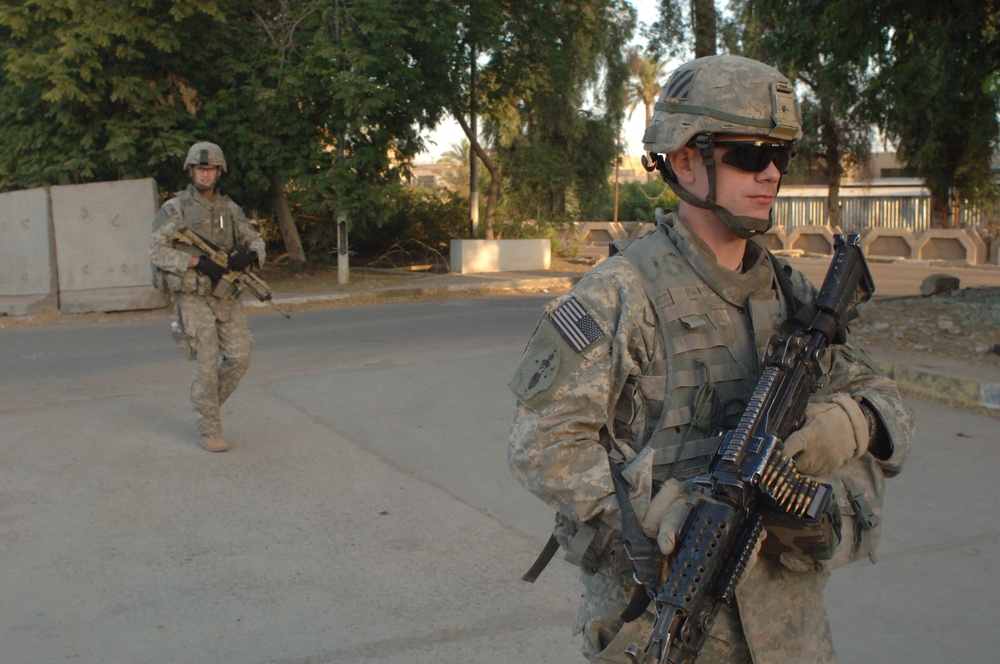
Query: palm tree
<point x="644" y="82"/>
<point x="458" y="154"/>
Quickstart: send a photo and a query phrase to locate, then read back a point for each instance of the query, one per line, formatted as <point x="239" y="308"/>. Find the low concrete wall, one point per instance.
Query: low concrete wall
<point x="950" y="244"/>
<point x="27" y="253"/>
<point x="476" y="256"/>
<point x="102" y="245"/>
<point x="888" y="243"/>
<point x="78" y="248"/>
<point x="811" y="239"/>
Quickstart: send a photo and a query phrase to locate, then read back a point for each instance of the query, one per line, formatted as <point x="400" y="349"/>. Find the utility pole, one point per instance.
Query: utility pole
<point x="473" y="159"/>
<point x="343" y="258"/>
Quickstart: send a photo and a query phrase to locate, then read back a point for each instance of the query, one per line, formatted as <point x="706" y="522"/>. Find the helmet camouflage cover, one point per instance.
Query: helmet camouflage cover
<point x="204" y="153"/>
<point x="713" y="96"/>
<point x="723" y="94"/>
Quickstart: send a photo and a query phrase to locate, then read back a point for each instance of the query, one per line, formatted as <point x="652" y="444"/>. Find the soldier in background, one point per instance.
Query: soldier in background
<point x="211" y="325"/>
<point x="658" y="348"/>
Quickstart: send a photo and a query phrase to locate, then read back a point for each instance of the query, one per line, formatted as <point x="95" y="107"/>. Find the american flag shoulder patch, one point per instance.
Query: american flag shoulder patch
<point x="575" y="324"/>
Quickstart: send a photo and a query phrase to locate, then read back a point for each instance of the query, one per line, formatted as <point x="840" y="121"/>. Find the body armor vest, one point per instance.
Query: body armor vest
<point x="714" y="327"/>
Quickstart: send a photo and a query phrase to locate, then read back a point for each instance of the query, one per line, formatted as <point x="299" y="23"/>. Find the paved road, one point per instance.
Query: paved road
<point x="899" y="278"/>
<point x="365" y="513"/>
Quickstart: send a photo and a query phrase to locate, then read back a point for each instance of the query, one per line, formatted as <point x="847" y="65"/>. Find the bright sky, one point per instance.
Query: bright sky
<point x="449" y="133"/>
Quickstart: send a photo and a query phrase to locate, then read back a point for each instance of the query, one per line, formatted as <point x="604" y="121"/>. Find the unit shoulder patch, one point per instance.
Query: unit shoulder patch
<point x="575" y="324"/>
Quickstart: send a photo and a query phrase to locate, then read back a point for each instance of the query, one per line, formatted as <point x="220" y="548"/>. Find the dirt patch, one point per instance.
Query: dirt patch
<point x="963" y="326"/>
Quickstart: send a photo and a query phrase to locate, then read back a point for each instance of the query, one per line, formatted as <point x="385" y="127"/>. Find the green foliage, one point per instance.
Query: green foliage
<point x="417" y="215"/>
<point x="636" y="201"/>
<point x="546" y="68"/>
<point x="932" y="95"/>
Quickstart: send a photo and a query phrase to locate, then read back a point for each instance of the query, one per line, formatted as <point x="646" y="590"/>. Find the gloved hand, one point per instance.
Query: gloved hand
<point x="210" y="269"/>
<point x="834" y="432"/>
<point x="665" y="515"/>
<point x="240" y="258"/>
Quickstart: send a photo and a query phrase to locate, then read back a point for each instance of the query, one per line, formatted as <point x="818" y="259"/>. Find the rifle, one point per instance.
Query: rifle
<point x="233" y="281"/>
<point x="749" y="476"/>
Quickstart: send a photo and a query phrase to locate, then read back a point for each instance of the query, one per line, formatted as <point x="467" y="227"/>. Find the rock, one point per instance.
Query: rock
<point x="939" y="284"/>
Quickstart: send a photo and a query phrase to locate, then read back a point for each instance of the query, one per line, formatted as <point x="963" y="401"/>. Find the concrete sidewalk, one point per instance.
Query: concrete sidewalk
<point x="964" y="385"/>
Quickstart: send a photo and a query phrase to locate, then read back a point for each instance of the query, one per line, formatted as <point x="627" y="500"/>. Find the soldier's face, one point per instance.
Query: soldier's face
<point x="744" y="192"/>
<point x="205" y="175"/>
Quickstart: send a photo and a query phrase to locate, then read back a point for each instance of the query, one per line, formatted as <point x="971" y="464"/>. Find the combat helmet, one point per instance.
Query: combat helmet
<point x="712" y="96"/>
<point x="204" y="153"/>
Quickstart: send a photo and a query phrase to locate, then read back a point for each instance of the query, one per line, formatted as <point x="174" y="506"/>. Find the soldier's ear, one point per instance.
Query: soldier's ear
<point x="683" y="162"/>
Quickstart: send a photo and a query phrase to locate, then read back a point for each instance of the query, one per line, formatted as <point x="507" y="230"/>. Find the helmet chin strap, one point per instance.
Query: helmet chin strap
<point x="742" y="226"/>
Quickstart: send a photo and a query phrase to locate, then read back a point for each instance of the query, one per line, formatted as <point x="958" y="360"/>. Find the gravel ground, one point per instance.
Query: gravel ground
<point x="963" y="326"/>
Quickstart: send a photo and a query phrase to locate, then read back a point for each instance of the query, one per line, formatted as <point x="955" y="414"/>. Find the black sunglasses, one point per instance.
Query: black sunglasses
<point x="755" y="156"/>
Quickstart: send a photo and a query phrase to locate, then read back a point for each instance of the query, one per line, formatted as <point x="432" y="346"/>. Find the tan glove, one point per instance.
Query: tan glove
<point x="834" y="432"/>
<point x="665" y="515"/>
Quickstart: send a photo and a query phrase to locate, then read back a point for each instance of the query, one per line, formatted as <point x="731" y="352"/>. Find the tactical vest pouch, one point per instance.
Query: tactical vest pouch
<point x="816" y="541"/>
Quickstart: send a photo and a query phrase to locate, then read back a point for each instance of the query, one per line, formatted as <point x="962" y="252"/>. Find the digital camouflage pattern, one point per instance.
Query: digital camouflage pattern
<point x="222" y="343"/>
<point x="216" y="328"/>
<point x="577" y="406"/>
<point x="723" y="94"/>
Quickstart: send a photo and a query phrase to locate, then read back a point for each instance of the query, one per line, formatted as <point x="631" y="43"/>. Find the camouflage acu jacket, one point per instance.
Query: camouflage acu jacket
<point x="219" y="220"/>
<point x="588" y="384"/>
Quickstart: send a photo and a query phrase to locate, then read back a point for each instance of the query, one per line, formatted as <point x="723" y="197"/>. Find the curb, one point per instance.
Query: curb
<point x="957" y="391"/>
<point x="486" y="287"/>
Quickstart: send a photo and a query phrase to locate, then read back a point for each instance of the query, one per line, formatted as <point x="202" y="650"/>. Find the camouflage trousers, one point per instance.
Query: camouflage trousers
<point x="222" y="343"/>
<point x="605" y="635"/>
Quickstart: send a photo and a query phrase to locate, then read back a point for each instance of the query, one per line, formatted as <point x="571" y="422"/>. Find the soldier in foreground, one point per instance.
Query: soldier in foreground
<point x="211" y="325"/>
<point x="656" y="352"/>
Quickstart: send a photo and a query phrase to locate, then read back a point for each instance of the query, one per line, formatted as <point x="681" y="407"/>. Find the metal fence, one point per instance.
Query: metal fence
<point x="858" y="213"/>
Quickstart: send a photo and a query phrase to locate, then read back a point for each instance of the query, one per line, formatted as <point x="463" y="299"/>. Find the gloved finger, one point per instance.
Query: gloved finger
<point x="670" y="523"/>
<point x="671" y="491"/>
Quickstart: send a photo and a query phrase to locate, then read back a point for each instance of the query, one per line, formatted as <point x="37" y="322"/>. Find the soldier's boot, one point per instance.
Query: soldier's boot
<point x="214" y="443"/>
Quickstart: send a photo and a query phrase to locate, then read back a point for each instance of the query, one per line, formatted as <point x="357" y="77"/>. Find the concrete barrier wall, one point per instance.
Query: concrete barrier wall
<point x="102" y="245"/>
<point x="950" y="245"/>
<point x="477" y="256"/>
<point x="78" y="248"/>
<point x="27" y="253"/>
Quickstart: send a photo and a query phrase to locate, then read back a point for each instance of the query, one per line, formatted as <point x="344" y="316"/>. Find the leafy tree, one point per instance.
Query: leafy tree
<point x="646" y="76"/>
<point x="539" y="69"/>
<point x="95" y="91"/>
<point x="681" y="30"/>
<point x="932" y="96"/>
<point x="810" y="41"/>
<point x="323" y="96"/>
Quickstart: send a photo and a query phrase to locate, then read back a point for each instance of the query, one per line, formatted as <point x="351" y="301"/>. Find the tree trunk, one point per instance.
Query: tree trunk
<point x="940" y="209"/>
<point x="286" y="225"/>
<point x="703" y="20"/>
<point x="491" y="166"/>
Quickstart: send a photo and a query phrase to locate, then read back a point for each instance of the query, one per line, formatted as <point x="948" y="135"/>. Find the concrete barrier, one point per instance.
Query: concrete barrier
<point x="811" y="239"/>
<point x="101" y="235"/>
<point x="775" y="239"/>
<point x="950" y="244"/>
<point x="888" y="243"/>
<point x="477" y="256"/>
<point x="27" y="253"/>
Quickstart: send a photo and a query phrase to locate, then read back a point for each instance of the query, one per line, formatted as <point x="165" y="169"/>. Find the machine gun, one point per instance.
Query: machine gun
<point x="233" y="282"/>
<point x="749" y="476"/>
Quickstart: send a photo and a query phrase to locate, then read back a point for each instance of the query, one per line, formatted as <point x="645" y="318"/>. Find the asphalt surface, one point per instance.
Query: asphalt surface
<point x="965" y="385"/>
<point x="365" y="513"/>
